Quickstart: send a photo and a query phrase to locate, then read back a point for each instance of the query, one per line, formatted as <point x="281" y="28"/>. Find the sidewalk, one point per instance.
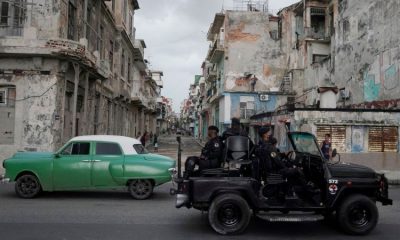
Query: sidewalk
<point x="387" y="163"/>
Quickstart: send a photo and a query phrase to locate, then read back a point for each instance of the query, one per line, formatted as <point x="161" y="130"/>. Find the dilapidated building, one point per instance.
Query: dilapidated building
<point x="243" y="65"/>
<point x="342" y="75"/>
<point x="71" y="68"/>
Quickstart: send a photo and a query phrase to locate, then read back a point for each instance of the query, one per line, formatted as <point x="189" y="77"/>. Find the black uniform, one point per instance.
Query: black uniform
<point x="210" y="157"/>
<point x="271" y="162"/>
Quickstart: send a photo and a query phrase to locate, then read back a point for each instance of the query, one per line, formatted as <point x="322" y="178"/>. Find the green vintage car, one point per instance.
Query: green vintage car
<point x="89" y="162"/>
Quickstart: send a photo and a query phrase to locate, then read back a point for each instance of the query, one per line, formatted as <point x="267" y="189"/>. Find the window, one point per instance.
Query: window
<point x="129" y="69"/>
<point x="77" y="148"/>
<point x="111" y="55"/>
<point x="101" y="42"/>
<point x="71" y="20"/>
<point x="317" y="58"/>
<point x="382" y="139"/>
<point x="123" y="63"/>
<point x="3" y="97"/>
<point x="338" y="136"/>
<point x="4" y="13"/>
<point x="140" y="149"/>
<point x="108" y="149"/>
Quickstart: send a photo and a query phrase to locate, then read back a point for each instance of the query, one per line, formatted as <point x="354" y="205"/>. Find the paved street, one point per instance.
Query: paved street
<point x="114" y="215"/>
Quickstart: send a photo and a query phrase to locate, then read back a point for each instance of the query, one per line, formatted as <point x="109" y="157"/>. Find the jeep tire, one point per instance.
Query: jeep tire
<point x="357" y="215"/>
<point x="229" y="214"/>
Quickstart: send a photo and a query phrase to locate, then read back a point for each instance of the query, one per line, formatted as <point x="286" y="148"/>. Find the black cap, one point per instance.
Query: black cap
<point x="263" y="131"/>
<point x="235" y="121"/>
<point x="212" y="127"/>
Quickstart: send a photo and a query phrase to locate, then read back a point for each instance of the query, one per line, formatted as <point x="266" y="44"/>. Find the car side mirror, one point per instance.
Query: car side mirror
<point x="57" y="155"/>
<point x="334" y="153"/>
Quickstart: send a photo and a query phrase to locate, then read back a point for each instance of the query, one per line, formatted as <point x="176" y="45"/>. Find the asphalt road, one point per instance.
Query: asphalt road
<point x="114" y="215"/>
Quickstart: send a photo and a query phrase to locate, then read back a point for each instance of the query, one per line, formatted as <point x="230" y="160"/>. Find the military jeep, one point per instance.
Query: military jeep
<point x="233" y="193"/>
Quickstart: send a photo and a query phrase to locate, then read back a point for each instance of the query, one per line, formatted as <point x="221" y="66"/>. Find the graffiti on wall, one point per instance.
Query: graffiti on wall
<point x="391" y="77"/>
<point x="371" y="88"/>
<point x="357" y="139"/>
<point x="382" y="76"/>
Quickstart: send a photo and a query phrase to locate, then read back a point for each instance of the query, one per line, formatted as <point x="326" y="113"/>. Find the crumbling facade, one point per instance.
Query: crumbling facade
<point x="343" y="70"/>
<point x="324" y="66"/>
<point x="71" y="68"/>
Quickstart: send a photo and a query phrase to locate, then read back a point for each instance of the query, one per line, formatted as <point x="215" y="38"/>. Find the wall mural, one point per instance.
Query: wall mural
<point x="357" y="139"/>
<point x="382" y="76"/>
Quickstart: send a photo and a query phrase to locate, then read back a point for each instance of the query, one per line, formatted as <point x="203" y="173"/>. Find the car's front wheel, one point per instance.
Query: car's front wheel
<point x="358" y="215"/>
<point x="140" y="189"/>
<point x="229" y="214"/>
<point x="27" y="186"/>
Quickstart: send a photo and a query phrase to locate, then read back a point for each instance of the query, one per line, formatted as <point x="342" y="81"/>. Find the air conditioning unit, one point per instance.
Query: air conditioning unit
<point x="345" y="93"/>
<point x="264" y="97"/>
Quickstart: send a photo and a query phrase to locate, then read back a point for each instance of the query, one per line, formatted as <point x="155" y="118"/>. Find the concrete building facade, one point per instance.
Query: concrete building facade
<point x="71" y="68"/>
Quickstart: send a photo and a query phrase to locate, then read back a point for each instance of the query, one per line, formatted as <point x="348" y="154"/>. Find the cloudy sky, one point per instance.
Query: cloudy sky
<point x="175" y="35"/>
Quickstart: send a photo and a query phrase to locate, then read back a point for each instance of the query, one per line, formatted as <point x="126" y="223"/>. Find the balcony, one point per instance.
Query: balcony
<point x="311" y="33"/>
<point x="216" y="51"/>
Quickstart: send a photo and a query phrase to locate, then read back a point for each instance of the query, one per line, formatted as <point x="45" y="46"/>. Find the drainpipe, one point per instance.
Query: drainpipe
<point x="75" y="98"/>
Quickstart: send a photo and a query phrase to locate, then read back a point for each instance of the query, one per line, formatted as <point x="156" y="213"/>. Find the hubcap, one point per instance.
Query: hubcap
<point x="141" y="187"/>
<point x="359" y="216"/>
<point x="28" y="185"/>
<point x="229" y="214"/>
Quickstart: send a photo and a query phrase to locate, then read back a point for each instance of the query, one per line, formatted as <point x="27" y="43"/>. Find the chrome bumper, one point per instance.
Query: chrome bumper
<point x="4" y="180"/>
<point x="181" y="200"/>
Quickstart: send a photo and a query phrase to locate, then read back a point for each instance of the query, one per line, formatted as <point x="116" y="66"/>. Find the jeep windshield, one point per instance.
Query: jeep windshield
<point x="305" y="143"/>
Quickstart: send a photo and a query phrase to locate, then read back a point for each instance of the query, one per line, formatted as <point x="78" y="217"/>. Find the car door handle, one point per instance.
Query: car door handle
<point x="96" y="160"/>
<point x="85" y="161"/>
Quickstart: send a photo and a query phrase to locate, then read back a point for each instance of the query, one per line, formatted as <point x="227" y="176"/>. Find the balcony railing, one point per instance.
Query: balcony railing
<point x="316" y="34"/>
<point x="216" y="51"/>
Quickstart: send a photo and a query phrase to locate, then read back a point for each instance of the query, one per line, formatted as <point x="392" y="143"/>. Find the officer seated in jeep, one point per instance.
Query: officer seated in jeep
<point x="270" y="162"/>
<point x="210" y="157"/>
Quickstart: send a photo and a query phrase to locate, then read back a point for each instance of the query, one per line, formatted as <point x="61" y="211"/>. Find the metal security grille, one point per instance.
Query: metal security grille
<point x="382" y="139"/>
<point x="338" y="136"/>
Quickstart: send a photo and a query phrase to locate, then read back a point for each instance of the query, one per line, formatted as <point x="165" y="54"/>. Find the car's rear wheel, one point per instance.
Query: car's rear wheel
<point x="140" y="188"/>
<point x="358" y="215"/>
<point x="27" y="186"/>
<point x="229" y="214"/>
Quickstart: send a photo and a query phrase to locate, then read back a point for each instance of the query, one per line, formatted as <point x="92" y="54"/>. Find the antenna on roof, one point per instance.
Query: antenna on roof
<point x="223" y="6"/>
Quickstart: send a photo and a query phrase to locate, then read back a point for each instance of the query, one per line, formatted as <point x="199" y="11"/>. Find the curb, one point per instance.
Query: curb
<point x="198" y="142"/>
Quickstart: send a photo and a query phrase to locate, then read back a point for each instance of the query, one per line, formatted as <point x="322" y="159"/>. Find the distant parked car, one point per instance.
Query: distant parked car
<point x="89" y="162"/>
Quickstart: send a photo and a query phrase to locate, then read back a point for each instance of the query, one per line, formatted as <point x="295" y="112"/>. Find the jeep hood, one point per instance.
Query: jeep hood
<point x="351" y="170"/>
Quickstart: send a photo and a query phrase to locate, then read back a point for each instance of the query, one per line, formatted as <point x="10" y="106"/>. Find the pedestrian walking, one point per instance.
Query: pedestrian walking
<point x="155" y="142"/>
<point x="143" y="138"/>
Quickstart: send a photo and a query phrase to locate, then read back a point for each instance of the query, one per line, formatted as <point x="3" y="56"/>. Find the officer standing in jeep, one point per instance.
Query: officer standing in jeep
<point x="210" y="156"/>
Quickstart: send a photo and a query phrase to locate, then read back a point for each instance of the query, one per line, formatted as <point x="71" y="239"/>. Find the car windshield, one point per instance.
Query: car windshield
<point x="305" y="143"/>
<point x="140" y="149"/>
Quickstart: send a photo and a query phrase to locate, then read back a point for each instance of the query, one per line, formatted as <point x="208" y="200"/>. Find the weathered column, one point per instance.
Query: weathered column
<point x="86" y="104"/>
<point x="75" y="97"/>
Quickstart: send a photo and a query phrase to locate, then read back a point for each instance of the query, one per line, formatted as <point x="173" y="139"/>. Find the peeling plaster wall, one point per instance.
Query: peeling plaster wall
<point x="249" y="48"/>
<point x="367" y="50"/>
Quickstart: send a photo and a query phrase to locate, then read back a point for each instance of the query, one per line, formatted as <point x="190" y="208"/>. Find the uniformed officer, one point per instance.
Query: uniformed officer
<point x="211" y="154"/>
<point x="271" y="162"/>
